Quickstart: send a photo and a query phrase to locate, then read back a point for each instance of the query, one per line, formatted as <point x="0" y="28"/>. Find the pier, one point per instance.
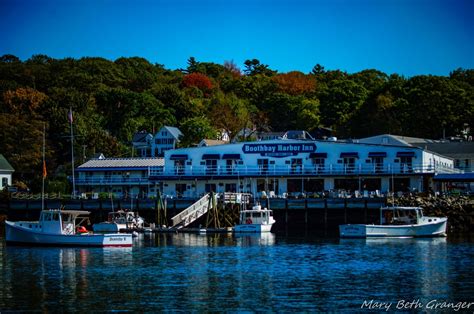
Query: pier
<point x="320" y="216"/>
<point x="309" y="215"/>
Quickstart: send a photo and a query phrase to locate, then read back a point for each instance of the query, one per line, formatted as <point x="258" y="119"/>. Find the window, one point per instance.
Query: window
<point x="400" y="185"/>
<point x="4" y="182"/>
<point x="349" y="164"/>
<point x="267" y="185"/>
<point x="371" y="184"/>
<point x="180" y="189"/>
<point x="377" y="163"/>
<point x="231" y="187"/>
<point x="406" y="164"/>
<point x="313" y="185"/>
<point x="346" y="184"/>
<point x="210" y="187"/>
<point x="296" y="165"/>
<point x="179" y="167"/>
<point x="211" y="166"/>
<point x="230" y="166"/>
<point x="294" y="186"/>
<point x="262" y="165"/>
<point x="319" y="164"/>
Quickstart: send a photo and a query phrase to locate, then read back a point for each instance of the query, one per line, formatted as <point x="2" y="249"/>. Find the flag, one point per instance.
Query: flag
<point x="45" y="173"/>
<point x="69" y="116"/>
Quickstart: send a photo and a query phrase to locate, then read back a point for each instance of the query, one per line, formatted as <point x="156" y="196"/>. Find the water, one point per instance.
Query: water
<point x="188" y="272"/>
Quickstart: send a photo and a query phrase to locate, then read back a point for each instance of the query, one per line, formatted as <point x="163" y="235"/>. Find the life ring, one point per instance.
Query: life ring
<point x="81" y="229"/>
<point x="248" y="221"/>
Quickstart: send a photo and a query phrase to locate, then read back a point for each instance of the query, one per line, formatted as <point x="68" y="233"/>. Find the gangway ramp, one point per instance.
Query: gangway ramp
<point x="193" y="212"/>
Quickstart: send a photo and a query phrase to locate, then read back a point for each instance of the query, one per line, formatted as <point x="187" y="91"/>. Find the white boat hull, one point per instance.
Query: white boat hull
<point x="108" y="227"/>
<point x="22" y="235"/>
<point x="255" y="228"/>
<point x="434" y="229"/>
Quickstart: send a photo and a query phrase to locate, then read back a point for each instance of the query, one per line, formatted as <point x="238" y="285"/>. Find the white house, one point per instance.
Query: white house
<point x="6" y="171"/>
<point x="166" y="138"/>
<point x="149" y="145"/>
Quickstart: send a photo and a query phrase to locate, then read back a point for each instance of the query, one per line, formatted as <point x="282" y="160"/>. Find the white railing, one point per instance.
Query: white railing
<point x="288" y="170"/>
<point x="192" y="213"/>
<point x="112" y="180"/>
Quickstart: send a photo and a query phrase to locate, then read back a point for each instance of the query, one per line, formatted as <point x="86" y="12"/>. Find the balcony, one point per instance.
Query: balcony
<point x="301" y="170"/>
<point x="112" y="181"/>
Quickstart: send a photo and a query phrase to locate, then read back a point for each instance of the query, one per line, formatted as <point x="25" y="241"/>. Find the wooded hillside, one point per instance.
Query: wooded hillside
<point x="112" y="100"/>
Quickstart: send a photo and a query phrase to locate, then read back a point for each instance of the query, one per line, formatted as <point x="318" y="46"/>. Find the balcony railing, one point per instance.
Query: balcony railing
<point x="302" y="170"/>
<point x="111" y="181"/>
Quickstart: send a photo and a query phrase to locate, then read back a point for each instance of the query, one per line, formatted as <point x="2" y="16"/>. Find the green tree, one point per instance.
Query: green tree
<point x="254" y="67"/>
<point x="340" y="101"/>
<point x="229" y="113"/>
<point x="195" y="129"/>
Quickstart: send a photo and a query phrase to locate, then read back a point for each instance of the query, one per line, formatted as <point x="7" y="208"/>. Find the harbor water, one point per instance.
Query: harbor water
<point x="213" y="273"/>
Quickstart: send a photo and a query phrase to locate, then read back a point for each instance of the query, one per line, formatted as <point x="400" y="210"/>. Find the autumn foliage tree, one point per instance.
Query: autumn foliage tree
<point x="23" y="100"/>
<point x="198" y="80"/>
<point x="295" y="83"/>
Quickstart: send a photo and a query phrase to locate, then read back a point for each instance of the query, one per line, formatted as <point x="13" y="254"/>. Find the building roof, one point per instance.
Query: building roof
<point x="5" y="165"/>
<point x="453" y="149"/>
<point x="209" y="142"/>
<point x="125" y="163"/>
<point x="175" y="132"/>
<point x="298" y="134"/>
<point x="388" y="139"/>
<point x="458" y="150"/>
<point x="140" y="137"/>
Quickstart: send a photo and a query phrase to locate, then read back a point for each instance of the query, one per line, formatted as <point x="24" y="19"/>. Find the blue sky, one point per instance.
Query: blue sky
<point x="407" y="37"/>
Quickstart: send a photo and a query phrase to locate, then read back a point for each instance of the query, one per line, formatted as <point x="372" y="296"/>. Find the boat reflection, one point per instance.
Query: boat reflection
<point x="56" y="271"/>
<point x="206" y="239"/>
<point x="257" y="239"/>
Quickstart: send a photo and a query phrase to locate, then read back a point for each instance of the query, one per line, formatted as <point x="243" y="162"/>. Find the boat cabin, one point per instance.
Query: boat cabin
<point x="256" y="216"/>
<point x="61" y="221"/>
<point x="400" y="215"/>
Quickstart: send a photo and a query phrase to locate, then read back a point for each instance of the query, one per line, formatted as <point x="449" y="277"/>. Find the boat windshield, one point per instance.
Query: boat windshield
<point x="399" y="216"/>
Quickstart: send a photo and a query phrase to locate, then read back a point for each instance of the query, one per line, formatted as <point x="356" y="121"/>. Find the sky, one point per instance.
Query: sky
<point x="407" y="37"/>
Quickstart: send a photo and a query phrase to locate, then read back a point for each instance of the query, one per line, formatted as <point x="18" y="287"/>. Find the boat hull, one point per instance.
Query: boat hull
<point x="25" y="236"/>
<point x="434" y="229"/>
<point x="252" y="228"/>
<point x="108" y="227"/>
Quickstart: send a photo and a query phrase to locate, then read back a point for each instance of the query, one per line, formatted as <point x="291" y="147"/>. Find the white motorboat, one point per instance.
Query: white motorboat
<point x="398" y="222"/>
<point x="61" y="228"/>
<point x="120" y="220"/>
<point x="255" y="220"/>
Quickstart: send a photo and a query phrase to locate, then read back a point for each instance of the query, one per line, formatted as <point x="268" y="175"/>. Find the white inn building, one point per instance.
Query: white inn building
<point x="298" y="167"/>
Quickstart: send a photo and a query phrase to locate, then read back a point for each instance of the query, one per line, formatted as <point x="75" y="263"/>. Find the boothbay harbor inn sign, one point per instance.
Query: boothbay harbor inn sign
<point x="278" y="150"/>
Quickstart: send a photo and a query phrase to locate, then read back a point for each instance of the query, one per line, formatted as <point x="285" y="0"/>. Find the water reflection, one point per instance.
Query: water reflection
<point x="255" y="239"/>
<point x="217" y="272"/>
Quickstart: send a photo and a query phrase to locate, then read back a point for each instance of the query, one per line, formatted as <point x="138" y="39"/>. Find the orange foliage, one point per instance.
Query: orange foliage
<point x="198" y="80"/>
<point x="295" y="83"/>
<point x="23" y="100"/>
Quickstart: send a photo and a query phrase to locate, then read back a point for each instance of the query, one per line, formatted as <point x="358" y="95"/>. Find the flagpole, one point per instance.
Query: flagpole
<point x="44" y="166"/>
<point x="72" y="155"/>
